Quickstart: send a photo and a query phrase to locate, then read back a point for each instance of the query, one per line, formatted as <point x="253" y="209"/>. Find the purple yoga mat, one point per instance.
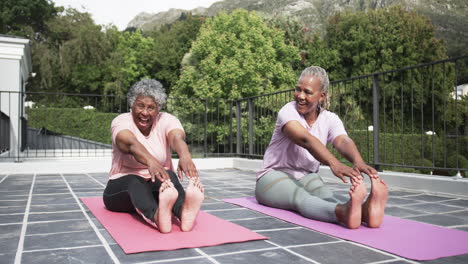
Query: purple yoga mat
<point x="406" y="238"/>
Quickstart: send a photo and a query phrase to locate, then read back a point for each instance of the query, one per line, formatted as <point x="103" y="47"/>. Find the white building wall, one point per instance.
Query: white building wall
<point x="15" y="67"/>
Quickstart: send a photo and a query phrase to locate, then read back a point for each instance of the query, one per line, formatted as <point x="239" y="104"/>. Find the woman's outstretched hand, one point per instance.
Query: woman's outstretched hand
<point x="362" y="167"/>
<point x="157" y="171"/>
<point x="187" y="167"/>
<point x="342" y="171"/>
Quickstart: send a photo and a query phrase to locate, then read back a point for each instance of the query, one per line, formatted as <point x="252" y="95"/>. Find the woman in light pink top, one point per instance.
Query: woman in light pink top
<point x="289" y="179"/>
<point x="141" y="177"/>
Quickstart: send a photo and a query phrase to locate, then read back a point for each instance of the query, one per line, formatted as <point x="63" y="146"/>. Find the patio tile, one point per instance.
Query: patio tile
<point x="50" y="190"/>
<point x="442" y="220"/>
<point x="462" y="214"/>
<point x="461" y="259"/>
<point x="13" y="196"/>
<point x="458" y="202"/>
<point x="8" y="245"/>
<point x="237" y="247"/>
<point x="153" y="255"/>
<point x="217" y="206"/>
<point x="35" y="217"/>
<point x="432" y="208"/>
<point x="54" y="207"/>
<point x="59" y="226"/>
<point x="298" y="236"/>
<point x="13" y="202"/>
<point x="10" y="230"/>
<point x="400" y="262"/>
<point x="430" y="198"/>
<point x="269" y="256"/>
<point x="75" y="255"/>
<point x="7" y="258"/>
<point x="396" y="193"/>
<point x="395" y="201"/>
<point x="463" y="228"/>
<point x="62" y="240"/>
<point x="9" y="219"/>
<point x="12" y="210"/>
<point x="401" y="212"/>
<point x="192" y="261"/>
<point x="49" y="201"/>
<point x="236" y="214"/>
<point x="263" y="223"/>
<point x="107" y="236"/>
<point x="338" y="252"/>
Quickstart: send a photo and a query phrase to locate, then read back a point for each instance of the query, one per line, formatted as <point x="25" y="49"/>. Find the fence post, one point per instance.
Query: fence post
<point x="230" y="128"/>
<point x="238" y="128"/>
<point x="205" y="139"/>
<point x="251" y="113"/>
<point x="375" y="113"/>
<point x="19" y="129"/>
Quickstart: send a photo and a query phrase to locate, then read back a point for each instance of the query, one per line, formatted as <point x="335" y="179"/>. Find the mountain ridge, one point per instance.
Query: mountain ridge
<point x="450" y="17"/>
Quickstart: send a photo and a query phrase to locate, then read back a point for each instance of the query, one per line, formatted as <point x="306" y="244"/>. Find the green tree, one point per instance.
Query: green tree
<point x="128" y="62"/>
<point x="171" y="43"/>
<point x="73" y="56"/>
<point x="381" y="40"/>
<point x="26" y="18"/>
<point x="235" y="56"/>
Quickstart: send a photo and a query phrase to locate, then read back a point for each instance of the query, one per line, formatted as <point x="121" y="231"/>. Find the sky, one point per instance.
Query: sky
<point x="120" y="12"/>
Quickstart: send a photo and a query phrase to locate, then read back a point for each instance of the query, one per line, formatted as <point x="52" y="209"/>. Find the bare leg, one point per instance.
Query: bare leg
<point x="193" y="200"/>
<point x="350" y="213"/>
<point x="163" y="215"/>
<point x="373" y="209"/>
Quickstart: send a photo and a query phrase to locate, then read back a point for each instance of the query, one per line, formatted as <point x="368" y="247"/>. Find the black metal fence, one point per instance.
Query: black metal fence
<point x="4" y="133"/>
<point x="409" y="119"/>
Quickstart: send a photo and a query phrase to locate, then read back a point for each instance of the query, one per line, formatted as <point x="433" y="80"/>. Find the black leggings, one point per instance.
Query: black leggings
<point x="132" y="193"/>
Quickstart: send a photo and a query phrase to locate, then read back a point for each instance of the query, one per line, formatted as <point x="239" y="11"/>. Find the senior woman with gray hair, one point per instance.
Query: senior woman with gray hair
<point x="289" y="180"/>
<point x="142" y="178"/>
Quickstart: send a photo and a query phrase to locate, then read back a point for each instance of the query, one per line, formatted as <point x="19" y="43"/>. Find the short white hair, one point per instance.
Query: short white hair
<point x="150" y="88"/>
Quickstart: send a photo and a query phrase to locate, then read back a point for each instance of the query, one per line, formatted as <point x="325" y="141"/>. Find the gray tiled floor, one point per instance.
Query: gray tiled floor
<point x="43" y="221"/>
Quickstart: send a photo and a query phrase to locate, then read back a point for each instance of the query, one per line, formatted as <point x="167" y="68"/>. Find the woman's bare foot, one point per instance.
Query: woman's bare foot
<point x="350" y="213"/>
<point x="193" y="200"/>
<point x="373" y="209"/>
<point x="167" y="197"/>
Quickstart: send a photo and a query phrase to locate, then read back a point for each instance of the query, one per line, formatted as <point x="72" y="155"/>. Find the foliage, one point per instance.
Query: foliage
<point x="381" y="40"/>
<point x="413" y="150"/>
<point x="236" y="56"/>
<point x="70" y="121"/>
<point x="128" y="62"/>
<point x="171" y="43"/>
<point x="26" y="18"/>
<point x="73" y="58"/>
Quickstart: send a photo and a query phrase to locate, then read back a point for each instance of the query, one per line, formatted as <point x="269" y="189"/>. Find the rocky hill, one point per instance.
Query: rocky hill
<point x="449" y="16"/>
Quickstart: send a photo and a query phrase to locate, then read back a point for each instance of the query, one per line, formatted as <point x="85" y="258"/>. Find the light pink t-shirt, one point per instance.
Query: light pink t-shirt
<point x="284" y="155"/>
<point x="156" y="144"/>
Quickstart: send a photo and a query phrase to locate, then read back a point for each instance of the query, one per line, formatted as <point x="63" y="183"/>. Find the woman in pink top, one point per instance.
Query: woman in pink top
<point x="289" y="179"/>
<point x="141" y="177"/>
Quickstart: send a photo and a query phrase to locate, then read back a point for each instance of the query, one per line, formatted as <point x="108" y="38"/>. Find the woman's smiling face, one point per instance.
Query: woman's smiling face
<point x="144" y="112"/>
<point x="308" y="95"/>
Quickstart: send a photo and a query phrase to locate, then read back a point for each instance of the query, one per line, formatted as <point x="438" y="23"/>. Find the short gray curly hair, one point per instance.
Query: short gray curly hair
<point x="316" y="71"/>
<point x="150" y="88"/>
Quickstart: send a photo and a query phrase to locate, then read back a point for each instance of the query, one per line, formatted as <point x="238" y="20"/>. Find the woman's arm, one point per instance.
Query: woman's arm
<point x="176" y="138"/>
<point x="299" y="135"/>
<point x="346" y="147"/>
<point x="128" y="143"/>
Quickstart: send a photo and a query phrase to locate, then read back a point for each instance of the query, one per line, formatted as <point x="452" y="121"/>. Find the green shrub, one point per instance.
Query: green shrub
<point x="88" y="124"/>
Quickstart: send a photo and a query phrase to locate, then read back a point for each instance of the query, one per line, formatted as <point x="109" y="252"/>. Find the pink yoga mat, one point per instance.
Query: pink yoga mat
<point x="134" y="235"/>
<point x="406" y="238"/>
